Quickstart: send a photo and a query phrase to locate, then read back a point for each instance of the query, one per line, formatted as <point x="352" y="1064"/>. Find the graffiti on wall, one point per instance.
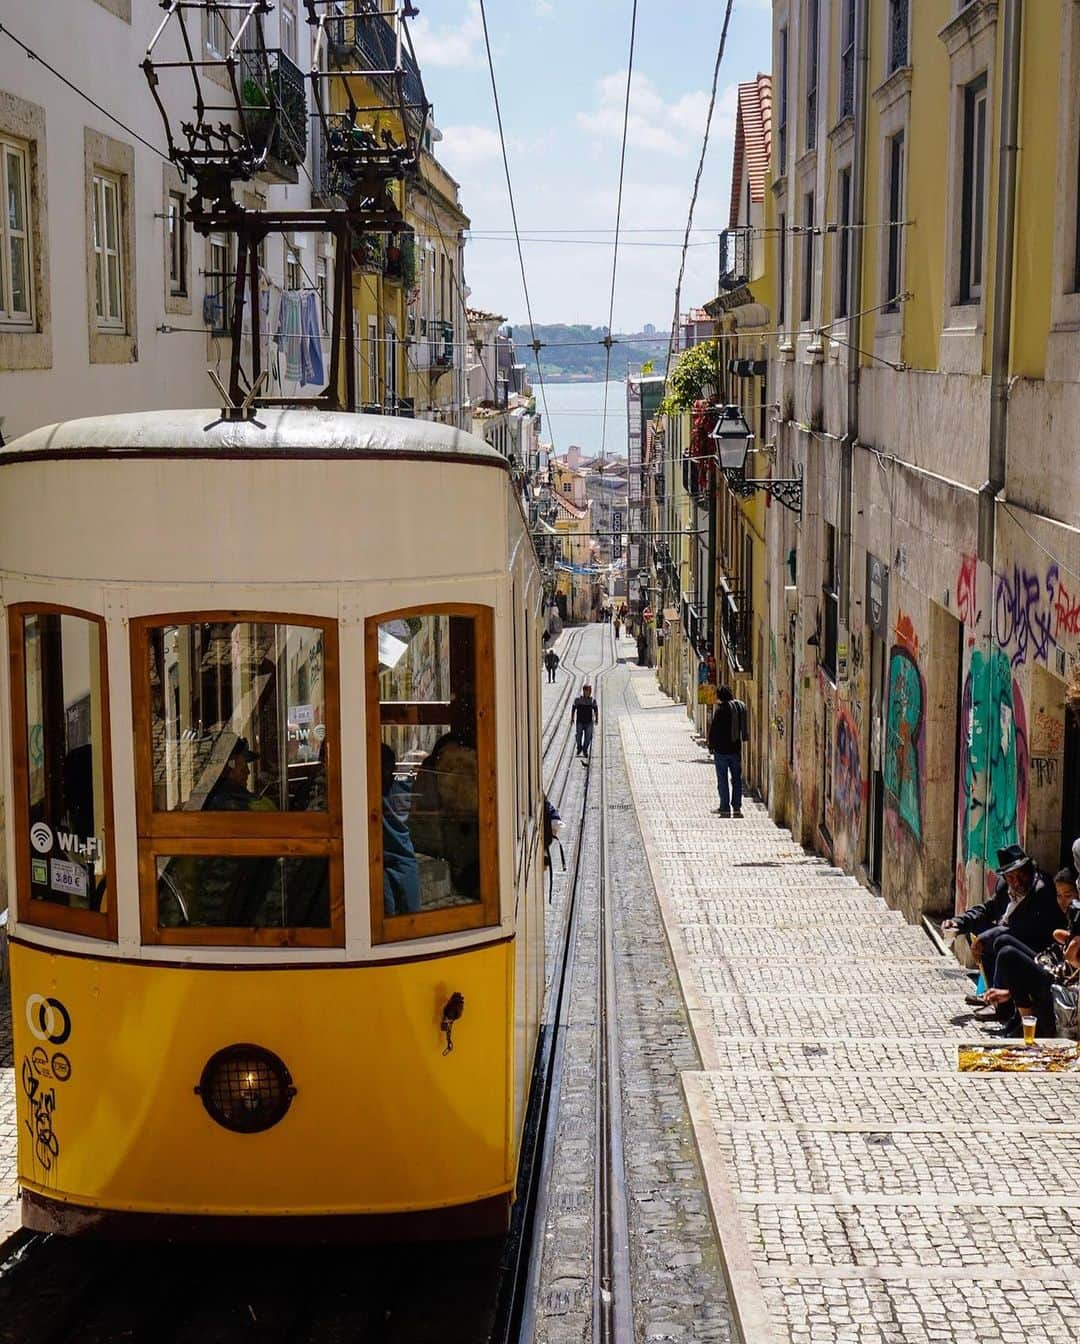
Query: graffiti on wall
<point x="994" y="747"/>
<point x="904" y="730"/>
<point x="847" y="777"/>
<point x="1034" y="613"/>
<point x="966" y="605"/>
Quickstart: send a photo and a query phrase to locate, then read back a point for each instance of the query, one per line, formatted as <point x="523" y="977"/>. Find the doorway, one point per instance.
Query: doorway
<point x="875" y="829"/>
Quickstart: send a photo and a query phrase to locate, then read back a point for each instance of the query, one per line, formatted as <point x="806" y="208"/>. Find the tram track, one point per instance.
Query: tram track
<point x="612" y="1308"/>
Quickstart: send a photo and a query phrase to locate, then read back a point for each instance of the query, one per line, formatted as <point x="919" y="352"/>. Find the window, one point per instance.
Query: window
<point x="847" y="60"/>
<point x="813" y="11"/>
<point x="781" y="111"/>
<point x="288" y="32"/>
<point x="808" y="257"/>
<point x="781" y="268"/>
<point x="237" y="780"/>
<point x="63" y="787"/>
<point x="898" y="35"/>
<point x="374" y="399"/>
<point x="973" y="196"/>
<point x="219" y="284"/>
<point x="1076" y="226"/>
<point x="176" y="241"/>
<point x="108" y="260"/>
<point x="391" y="365"/>
<point x="843" y="243"/>
<point x="217" y="33"/>
<point x="322" y="285"/>
<point x="292" y="268"/>
<point x="431" y="762"/>
<point x="830" y="593"/>
<point x="894" y="224"/>
<point x="16" y="304"/>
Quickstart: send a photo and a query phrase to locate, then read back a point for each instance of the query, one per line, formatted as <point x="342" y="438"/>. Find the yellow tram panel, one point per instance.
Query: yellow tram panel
<point x="384" y="1118"/>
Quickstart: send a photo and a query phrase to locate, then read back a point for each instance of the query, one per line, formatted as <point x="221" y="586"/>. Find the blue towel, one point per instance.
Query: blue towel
<point x="288" y="337"/>
<point x="311" y="358"/>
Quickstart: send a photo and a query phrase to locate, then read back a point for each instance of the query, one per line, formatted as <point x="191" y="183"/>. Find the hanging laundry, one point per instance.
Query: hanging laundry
<point x="287" y="338"/>
<point x="311" y="336"/>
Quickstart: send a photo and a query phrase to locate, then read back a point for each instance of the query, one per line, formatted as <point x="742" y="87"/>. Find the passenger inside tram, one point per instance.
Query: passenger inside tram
<point x="401" y="876"/>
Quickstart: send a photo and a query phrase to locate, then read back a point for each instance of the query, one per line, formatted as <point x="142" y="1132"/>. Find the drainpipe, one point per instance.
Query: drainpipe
<point x="1003" y="279"/>
<point x="858" y="207"/>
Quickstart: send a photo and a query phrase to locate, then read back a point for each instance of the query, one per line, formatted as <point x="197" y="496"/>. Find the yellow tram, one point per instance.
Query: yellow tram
<point x="271" y="773"/>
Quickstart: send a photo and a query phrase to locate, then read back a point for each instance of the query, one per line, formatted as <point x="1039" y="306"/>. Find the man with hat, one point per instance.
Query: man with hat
<point x="231" y="793"/>
<point x="1023" y="912"/>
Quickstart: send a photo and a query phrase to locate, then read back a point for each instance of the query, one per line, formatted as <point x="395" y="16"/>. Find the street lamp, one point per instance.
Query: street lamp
<point x="734" y="439"/>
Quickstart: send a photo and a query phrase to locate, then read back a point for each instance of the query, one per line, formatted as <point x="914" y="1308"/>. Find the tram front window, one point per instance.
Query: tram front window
<point x="66" y="783"/>
<point x="434" y="766"/>
<point x="238" y="717"/>
<point x="237" y="785"/>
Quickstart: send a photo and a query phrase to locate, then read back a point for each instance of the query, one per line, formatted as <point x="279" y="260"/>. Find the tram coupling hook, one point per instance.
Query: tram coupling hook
<point x="452" y="1010"/>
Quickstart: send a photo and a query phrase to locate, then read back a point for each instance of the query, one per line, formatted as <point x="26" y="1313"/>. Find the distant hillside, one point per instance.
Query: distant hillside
<point x="585" y="362"/>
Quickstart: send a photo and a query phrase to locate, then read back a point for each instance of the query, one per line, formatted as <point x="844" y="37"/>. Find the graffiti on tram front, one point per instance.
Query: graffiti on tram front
<point x="50" y="1022"/>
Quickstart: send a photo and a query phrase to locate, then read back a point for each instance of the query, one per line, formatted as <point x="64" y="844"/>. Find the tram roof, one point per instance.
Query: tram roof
<point x="273" y="432"/>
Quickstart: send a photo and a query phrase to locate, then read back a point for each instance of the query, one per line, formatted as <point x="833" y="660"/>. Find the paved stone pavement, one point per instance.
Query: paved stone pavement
<point x="863" y="1191"/>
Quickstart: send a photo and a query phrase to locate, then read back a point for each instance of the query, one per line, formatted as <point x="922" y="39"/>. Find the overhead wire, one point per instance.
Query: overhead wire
<point x="618" y="221"/>
<point x="513" y="209"/>
<point x="697" y="184"/>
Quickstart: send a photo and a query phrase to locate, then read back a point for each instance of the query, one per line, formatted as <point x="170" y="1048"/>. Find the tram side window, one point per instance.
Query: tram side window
<point x="64" y="752"/>
<point x="240" y="824"/>
<point x="435" y="772"/>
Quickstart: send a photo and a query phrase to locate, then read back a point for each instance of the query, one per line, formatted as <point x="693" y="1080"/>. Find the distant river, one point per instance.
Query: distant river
<point x="575" y="415"/>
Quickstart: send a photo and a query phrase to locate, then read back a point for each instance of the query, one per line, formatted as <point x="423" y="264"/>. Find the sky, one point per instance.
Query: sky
<point x="561" y="70"/>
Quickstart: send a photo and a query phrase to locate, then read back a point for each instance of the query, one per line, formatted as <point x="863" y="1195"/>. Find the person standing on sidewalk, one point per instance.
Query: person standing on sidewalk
<point x="729" y="729"/>
<point x="584" y="713"/>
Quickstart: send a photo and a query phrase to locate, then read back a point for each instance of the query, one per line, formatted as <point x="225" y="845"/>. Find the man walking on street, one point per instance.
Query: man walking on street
<point x="585" y="713"/>
<point x="551" y="662"/>
<point x="729" y="729"/>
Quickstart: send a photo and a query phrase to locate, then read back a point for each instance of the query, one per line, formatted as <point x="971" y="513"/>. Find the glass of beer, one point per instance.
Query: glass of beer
<point x="1029" y="1029"/>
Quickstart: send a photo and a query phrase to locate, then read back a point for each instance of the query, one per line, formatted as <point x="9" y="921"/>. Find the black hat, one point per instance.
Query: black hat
<point x="241" y="748"/>
<point x="1011" y="858"/>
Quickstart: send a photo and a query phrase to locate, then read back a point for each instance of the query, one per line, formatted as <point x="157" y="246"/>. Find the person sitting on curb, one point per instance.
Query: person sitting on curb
<point x="1027" y="983"/>
<point x="1023" y="912"/>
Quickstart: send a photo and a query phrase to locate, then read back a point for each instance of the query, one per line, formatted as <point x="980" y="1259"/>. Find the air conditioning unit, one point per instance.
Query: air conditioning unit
<point x="791" y="599"/>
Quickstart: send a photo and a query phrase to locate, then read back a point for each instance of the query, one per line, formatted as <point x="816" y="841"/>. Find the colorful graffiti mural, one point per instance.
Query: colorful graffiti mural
<point x="1033" y="613"/>
<point x="904" y="730"/>
<point x="966" y="603"/>
<point x="847" y="779"/>
<point x="994" y="757"/>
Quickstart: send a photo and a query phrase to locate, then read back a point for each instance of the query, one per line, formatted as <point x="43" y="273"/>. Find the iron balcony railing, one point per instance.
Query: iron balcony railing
<point x="736" y="256"/>
<point x="367" y="38"/>
<point x="442" y="344"/>
<point x="847" y="81"/>
<point x="275" y="109"/>
<point x="898" y="35"/>
<point x="735" y="625"/>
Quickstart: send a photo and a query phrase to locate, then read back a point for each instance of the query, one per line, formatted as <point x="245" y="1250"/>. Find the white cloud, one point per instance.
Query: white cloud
<point x="466" y="146"/>
<point x="672" y="128"/>
<point x="460" y="44"/>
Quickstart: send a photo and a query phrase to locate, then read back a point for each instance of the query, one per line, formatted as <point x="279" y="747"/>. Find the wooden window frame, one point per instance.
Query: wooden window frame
<point x="17" y="319"/>
<point x="176" y="244"/>
<point x="106" y="183"/>
<point x="484" y="913"/>
<point x="42" y="914"/>
<point x="235" y="834"/>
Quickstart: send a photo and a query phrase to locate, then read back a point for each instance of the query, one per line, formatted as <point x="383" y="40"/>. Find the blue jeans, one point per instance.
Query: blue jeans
<point x="729" y="762"/>
<point x="583" y="738"/>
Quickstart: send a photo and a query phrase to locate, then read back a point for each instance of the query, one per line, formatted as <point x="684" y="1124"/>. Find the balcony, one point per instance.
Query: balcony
<point x="441" y="339"/>
<point x="736" y="257"/>
<point x="366" y="39"/>
<point x="275" y="113"/>
<point x="735" y="626"/>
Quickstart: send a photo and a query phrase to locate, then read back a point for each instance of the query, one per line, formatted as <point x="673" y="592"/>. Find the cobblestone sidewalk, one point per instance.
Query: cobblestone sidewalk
<point x="863" y="1191"/>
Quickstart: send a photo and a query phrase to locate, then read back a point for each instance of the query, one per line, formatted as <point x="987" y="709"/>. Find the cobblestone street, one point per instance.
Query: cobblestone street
<point x="864" y="1192"/>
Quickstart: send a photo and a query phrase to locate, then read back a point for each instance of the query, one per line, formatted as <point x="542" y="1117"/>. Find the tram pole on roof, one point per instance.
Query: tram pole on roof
<point x="252" y="119"/>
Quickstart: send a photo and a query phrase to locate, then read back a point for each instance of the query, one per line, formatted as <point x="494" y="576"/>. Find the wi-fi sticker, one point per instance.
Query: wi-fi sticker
<point x="41" y="837"/>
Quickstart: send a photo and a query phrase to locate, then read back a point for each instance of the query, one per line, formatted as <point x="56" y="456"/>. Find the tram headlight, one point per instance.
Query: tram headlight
<point x="245" y="1088"/>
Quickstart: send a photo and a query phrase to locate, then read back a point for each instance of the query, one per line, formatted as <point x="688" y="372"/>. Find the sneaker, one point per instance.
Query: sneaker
<point x="737" y="812"/>
<point x="723" y="811"/>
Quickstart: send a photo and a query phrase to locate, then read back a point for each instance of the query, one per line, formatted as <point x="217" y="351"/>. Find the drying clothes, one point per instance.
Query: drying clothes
<point x="311" y="356"/>
<point x="287" y="339"/>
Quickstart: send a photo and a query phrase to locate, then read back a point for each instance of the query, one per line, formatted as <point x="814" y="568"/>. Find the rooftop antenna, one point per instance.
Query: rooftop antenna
<point x="251" y="119"/>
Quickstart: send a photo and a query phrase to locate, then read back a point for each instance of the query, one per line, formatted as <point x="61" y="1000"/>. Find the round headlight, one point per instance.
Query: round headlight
<point x="245" y="1088"/>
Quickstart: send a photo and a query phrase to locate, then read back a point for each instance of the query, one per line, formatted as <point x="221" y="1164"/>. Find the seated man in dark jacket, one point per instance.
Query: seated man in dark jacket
<point x="1023" y="912"/>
